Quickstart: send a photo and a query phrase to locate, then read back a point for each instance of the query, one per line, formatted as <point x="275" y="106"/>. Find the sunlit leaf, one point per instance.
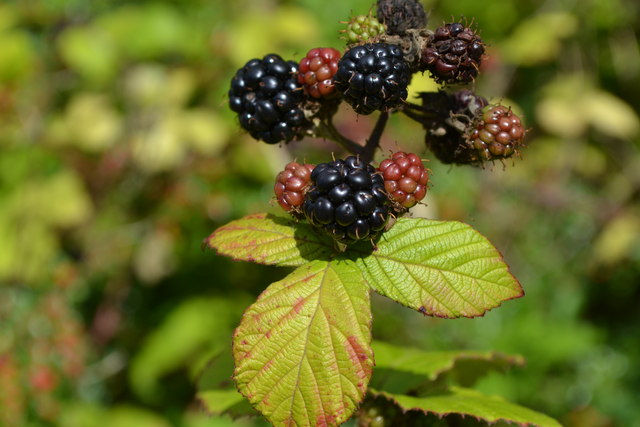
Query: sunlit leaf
<point x="440" y="268"/>
<point x="268" y="239"/>
<point x="302" y="351"/>
<point x="190" y="328"/>
<point x="471" y="403"/>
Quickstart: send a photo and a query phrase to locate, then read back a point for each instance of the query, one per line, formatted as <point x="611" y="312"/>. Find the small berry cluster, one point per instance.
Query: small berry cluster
<point x="350" y="200"/>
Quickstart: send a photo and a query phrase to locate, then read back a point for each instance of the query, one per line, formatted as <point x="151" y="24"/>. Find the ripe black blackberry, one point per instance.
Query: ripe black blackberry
<point x="401" y="15"/>
<point x="347" y="200"/>
<point x="373" y="76"/>
<point x="454" y="54"/>
<point x="267" y="97"/>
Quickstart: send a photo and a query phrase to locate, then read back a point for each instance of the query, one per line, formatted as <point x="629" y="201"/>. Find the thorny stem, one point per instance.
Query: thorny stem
<point x="374" y="139"/>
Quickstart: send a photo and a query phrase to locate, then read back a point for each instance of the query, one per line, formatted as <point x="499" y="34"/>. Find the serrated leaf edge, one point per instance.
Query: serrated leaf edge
<point x="441" y="415"/>
<point x="423" y="309"/>
<point x="285" y="262"/>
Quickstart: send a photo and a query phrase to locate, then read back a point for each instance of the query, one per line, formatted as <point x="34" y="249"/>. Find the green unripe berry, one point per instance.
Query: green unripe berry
<point x="362" y="28"/>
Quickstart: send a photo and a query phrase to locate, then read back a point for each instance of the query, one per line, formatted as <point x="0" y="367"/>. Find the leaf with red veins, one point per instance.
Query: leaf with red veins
<point x="268" y="239"/>
<point x="303" y="349"/>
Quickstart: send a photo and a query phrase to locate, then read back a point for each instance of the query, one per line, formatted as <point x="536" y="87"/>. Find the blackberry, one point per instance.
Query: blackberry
<point x="405" y="179"/>
<point x="446" y="131"/>
<point x="497" y="133"/>
<point x="291" y="185"/>
<point x="362" y="28"/>
<point x="266" y="96"/>
<point x="316" y="71"/>
<point x="401" y="15"/>
<point x="373" y="76"/>
<point x="347" y="200"/>
<point x="454" y="54"/>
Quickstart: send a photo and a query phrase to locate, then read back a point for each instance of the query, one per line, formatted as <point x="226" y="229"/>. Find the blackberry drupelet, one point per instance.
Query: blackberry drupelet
<point x="266" y="96"/>
<point x="373" y="76"/>
<point x="401" y="15"/>
<point x="291" y="186"/>
<point x="347" y="200"/>
<point x="405" y="179"/>
<point x="497" y="133"/>
<point x="454" y="54"/>
<point x="316" y="71"/>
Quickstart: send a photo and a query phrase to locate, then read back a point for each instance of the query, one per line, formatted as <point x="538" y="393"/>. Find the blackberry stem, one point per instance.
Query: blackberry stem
<point x="374" y="139"/>
<point x="328" y="130"/>
<point x="420" y="118"/>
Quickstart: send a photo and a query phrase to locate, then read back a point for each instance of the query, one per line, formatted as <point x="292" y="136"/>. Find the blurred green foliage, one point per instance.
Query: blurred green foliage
<point x="118" y="156"/>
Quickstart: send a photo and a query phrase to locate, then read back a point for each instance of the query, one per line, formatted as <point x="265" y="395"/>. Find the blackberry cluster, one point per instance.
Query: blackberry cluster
<point x="497" y="133"/>
<point x="405" y="179"/>
<point x="454" y="54"/>
<point x="316" y="71"/>
<point x="373" y="76"/>
<point x="347" y="200"/>
<point x="291" y="186"/>
<point x="267" y="98"/>
<point x="401" y="15"/>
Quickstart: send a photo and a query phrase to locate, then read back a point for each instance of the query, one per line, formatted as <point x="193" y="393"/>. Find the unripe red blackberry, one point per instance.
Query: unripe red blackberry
<point x="347" y="200"/>
<point x="373" y="76"/>
<point x="401" y="15"/>
<point x="362" y="28"/>
<point x="454" y="54"/>
<point x="405" y="179"/>
<point x="267" y="98"/>
<point x="291" y="186"/>
<point x="497" y="133"/>
<point x="316" y="71"/>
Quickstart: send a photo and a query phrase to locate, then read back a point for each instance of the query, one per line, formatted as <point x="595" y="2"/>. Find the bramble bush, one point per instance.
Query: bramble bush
<point x="303" y="352"/>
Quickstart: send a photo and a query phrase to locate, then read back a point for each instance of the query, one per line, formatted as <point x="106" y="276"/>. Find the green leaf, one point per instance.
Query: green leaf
<point x="440" y="268"/>
<point x="269" y="239"/>
<point x="472" y="403"/>
<point x="229" y="401"/>
<point x="400" y="369"/>
<point x="303" y="349"/>
<point x="191" y="327"/>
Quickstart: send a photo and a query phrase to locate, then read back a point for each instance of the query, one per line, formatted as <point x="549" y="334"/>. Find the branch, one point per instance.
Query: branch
<point x="327" y="130"/>
<point x="374" y="139"/>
